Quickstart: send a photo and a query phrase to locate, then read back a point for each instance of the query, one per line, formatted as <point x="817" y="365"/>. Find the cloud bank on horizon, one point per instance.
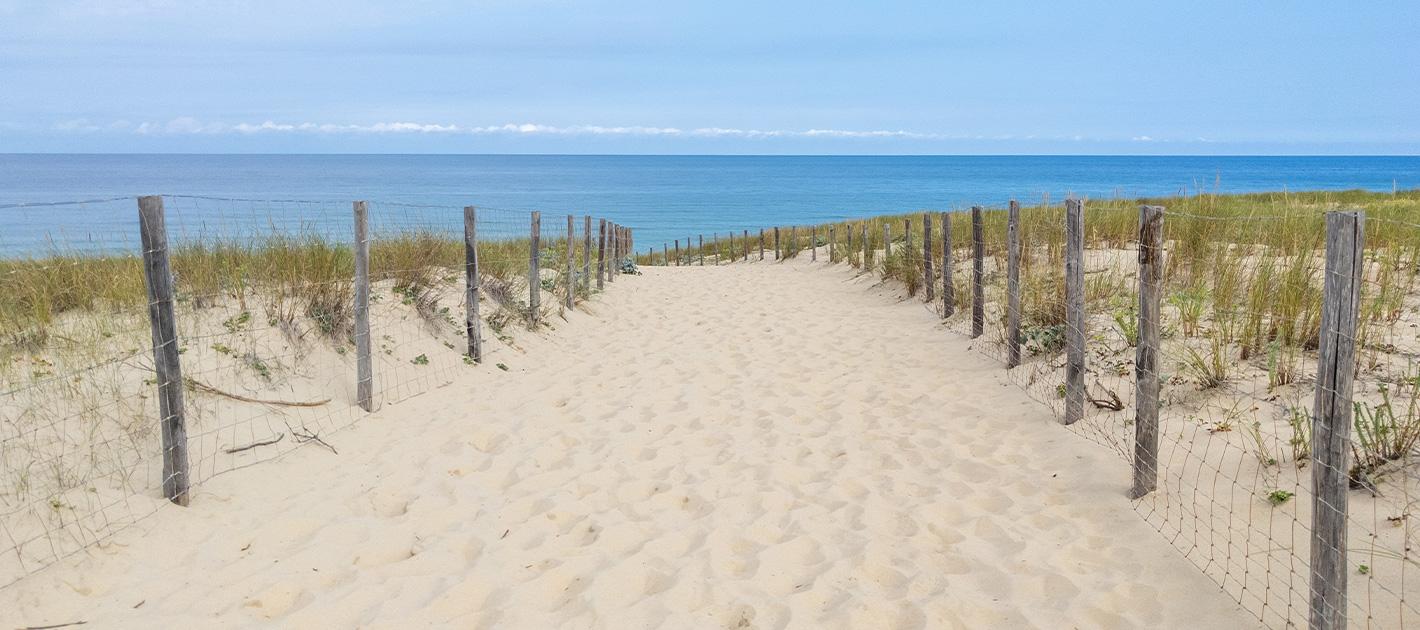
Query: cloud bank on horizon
<point x="727" y="77"/>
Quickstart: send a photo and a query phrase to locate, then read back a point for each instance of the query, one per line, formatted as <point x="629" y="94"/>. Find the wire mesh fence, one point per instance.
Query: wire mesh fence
<point x="1215" y="369"/>
<point x="266" y="328"/>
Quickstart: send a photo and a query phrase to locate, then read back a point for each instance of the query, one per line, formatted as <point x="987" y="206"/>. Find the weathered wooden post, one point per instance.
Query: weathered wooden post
<point x="832" y="236"/>
<point x="887" y="245"/>
<point x="745" y="240"/>
<point x="677" y="252"/>
<point x="907" y="239"/>
<point x="761" y="244"/>
<point x="587" y="253"/>
<point x="778" y="255"/>
<point x="978" y="273"/>
<point x="867" y="248"/>
<point x="813" y="243"/>
<point x="472" y="323"/>
<point x="949" y="290"/>
<point x="702" y="249"/>
<point x="601" y="254"/>
<point x="927" y="277"/>
<point x="1146" y="356"/>
<point x="172" y="421"/>
<point x="1013" y="285"/>
<point x="1332" y="416"/>
<point x="612" y="247"/>
<point x="848" y="228"/>
<point x="364" y="366"/>
<point x="1074" y="311"/>
<point x="534" y="275"/>
<point x="569" y="287"/>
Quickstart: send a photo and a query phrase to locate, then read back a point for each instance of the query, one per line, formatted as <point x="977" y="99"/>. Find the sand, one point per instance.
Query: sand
<point x="746" y="446"/>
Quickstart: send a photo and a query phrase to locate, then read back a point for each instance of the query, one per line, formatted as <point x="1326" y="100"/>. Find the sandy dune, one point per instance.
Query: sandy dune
<point x="748" y="446"/>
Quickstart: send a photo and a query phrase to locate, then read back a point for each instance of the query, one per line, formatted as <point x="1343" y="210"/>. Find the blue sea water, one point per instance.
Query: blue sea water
<point x="662" y="197"/>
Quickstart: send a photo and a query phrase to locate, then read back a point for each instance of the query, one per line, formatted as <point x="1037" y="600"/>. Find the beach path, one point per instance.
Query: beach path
<point x="749" y="446"/>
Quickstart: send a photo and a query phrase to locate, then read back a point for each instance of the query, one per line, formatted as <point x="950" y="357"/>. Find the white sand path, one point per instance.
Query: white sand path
<point x="748" y="446"/>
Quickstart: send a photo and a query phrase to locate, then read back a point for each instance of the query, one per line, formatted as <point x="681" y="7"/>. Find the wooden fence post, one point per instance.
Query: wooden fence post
<point x="849" y="248"/>
<point x="949" y="289"/>
<point x="1332" y="416"/>
<point x="907" y="240"/>
<point x="887" y="244"/>
<point x="568" y="285"/>
<point x="927" y="276"/>
<point x="364" y="367"/>
<point x="601" y="254"/>
<point x="832" y="236"/>
<point x="472" y="324"/>
<point x="1013" y="285"/>
<point x="587" y="253"/>
<point x="732" y="246"/>
<point x="813" y="243"/>
<point x="978" y="272"/>
<point x="534" y="275"/>
<point x="777" y="251"/>
<point x="1146" y="356"/>
<point x="158" y="273"/>
<point x="614" y="266"/>
<point x="702" y="249"/>
<point x="1074" y="311"/>
<point x="745" y="240"/>
<point x="677" y="252"/>
<point x="867" y="265"/>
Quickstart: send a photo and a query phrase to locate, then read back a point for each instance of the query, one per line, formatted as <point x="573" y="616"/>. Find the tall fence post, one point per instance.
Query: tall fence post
<point x="534" y="275"/>
<point x="702" y="249"/>
<point x="949" y="291"/>
<point x="832" y="236"/>
<point x="472" y="323"/>
<point x="613" y="267"/>
<point x="978" y="272"/>
<point x="745" y="241"/>
<point x="866" y="266"/>
<point x="1074" y="311"/>
<point x="777" y="251"/>
<point x="1332" y="416"/>
<point x="601" y="254"/>
<point x="887" y="244"/>
<point x="732" y="246"/>
<point x="159" y="276"/>
<point x="587" y="253"/>
<point x="848" y="255"/>
<point x="813" y="243"/>
<point x="364" y="366"/>
<point x="568" y="285"/>
<point x="907" y="239"/>
<point x="1013" y="285"/>
<point x="1146" y="357"/>
<point x="927" y="276"/>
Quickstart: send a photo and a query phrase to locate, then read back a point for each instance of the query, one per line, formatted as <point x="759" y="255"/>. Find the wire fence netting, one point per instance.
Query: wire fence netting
<point x="264" y="307"/>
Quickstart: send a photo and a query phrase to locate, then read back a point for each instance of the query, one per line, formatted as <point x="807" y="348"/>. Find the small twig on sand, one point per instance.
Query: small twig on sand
<point x="195" y="385"/>
<point x="253" y="445"/>
<point x="57" y="625"/>
<point x="303" y="436"/>
<point x="1113" y="403"/>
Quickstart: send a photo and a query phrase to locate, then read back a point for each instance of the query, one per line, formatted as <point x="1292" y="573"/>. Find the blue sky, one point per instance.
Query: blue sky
<point x="547" y="76"/>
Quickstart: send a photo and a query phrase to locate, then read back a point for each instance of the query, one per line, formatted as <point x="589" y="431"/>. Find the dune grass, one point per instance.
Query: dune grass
<point x="302" y="275"/>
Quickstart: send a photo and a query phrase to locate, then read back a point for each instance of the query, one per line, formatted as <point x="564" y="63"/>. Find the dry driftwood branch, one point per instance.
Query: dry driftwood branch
<point x="199" y="386"/>
<point x="57" y="625"/>
<point x="253" y="445"/>
<point x="304" y="436"/>
<point x="1113" y="403"/>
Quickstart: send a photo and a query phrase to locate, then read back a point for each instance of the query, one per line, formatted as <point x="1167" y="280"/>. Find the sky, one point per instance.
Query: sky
<point x="1207" y="77"/>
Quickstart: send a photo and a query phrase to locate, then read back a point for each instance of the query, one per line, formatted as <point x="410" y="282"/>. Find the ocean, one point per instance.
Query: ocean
<point x="662" y="197"/>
